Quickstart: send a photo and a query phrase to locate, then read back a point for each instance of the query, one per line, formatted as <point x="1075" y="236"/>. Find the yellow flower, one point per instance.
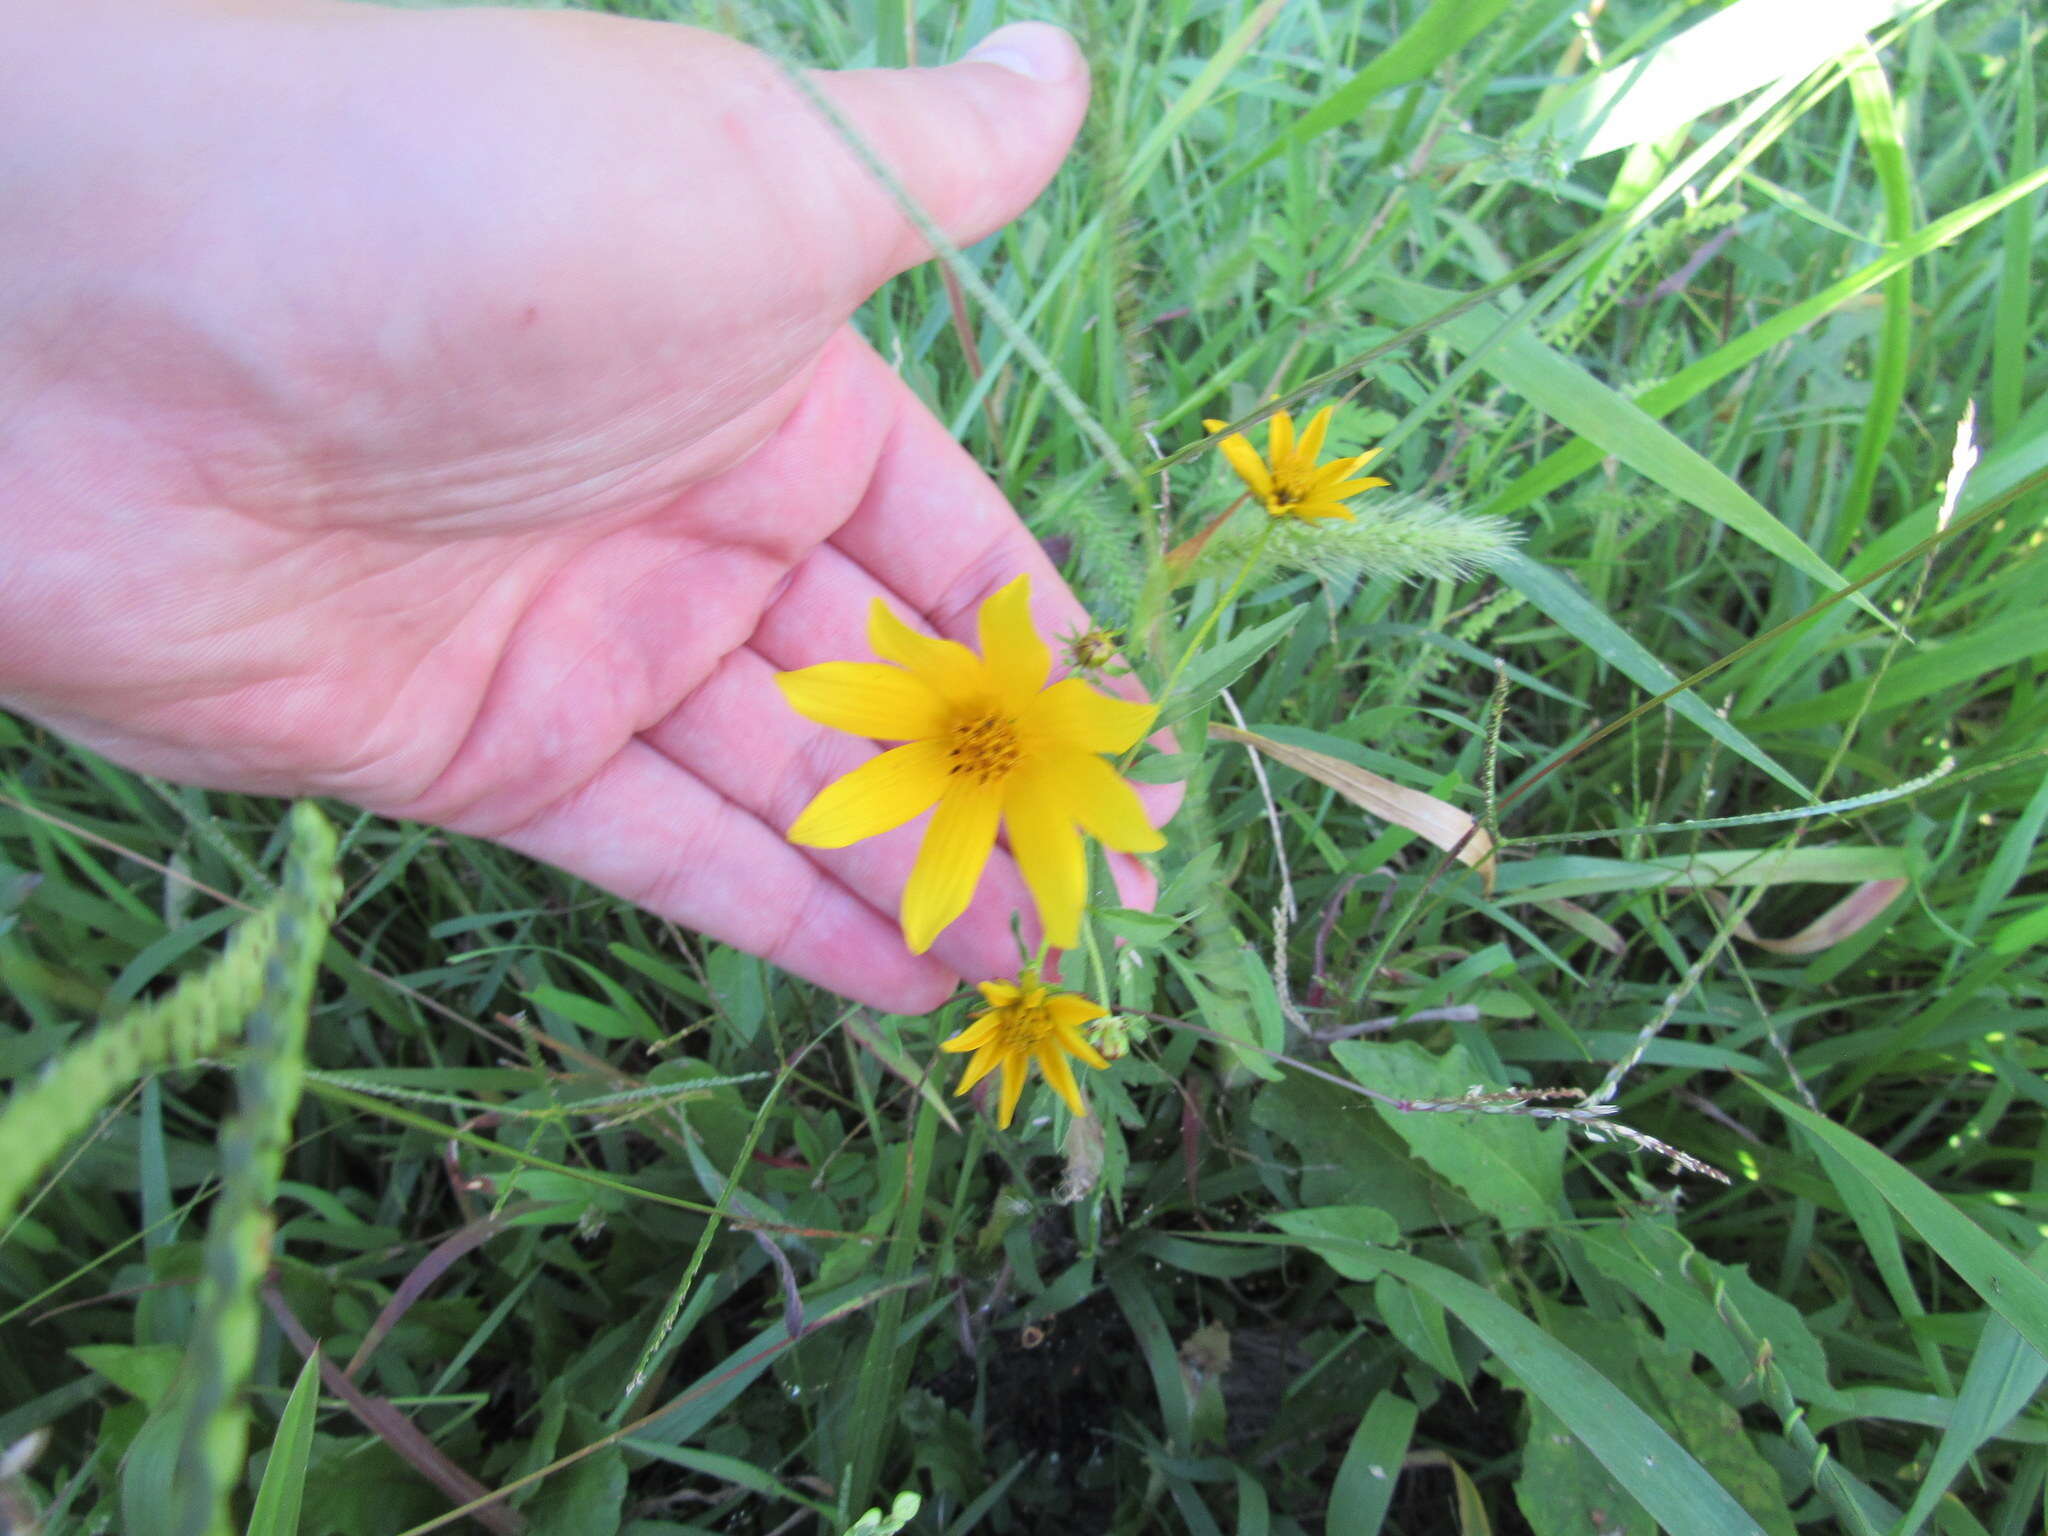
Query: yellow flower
<point x="1025" y="1022"/>
<point x="987" y="741"/>
<point x="1287" y="481"/>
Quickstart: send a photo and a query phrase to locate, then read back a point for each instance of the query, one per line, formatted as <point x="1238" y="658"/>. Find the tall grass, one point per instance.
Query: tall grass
<point x="601" y="1228"/>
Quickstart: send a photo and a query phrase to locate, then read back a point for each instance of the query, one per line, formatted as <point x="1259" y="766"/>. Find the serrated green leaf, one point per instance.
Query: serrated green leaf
<point x="1564" y="1491"/>
<point x="1653" y="1261"/>
<point x="1706" y="1425"/>
<point x="1507" y="1165"/>
<point x="1214" y="669"/>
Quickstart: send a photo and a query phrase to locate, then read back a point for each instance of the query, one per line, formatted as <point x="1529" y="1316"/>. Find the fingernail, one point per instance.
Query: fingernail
<point x="1034" y="49"/>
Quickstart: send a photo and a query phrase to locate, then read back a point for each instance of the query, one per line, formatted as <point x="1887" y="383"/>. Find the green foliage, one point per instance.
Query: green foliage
<point x="602" y="1228"/>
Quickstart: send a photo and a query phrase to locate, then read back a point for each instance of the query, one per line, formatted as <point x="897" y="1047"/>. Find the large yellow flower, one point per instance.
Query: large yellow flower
<point x="1026" y="1022"/>
<point x="987" y="741"/>
<point x="1287" y="481"/>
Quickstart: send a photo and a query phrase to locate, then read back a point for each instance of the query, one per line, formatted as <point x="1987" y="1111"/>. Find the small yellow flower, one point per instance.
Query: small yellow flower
<point x="1287" y="481"/>
<point x="988" y="741"/>
<point x="1026" y="1021"/>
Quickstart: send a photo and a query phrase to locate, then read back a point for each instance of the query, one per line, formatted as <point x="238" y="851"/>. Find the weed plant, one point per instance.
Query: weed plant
<point x="1583" y="1071"/>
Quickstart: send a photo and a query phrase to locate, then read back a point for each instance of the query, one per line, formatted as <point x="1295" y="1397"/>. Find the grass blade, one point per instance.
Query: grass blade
<point x="1557" y="595"/>
<point x="1677" y="1491"/>
<point x="1730" y="54"/>
<point x="1440" y="31"/>
<point x="1884" y="136"/>
<point x="1987" y="1266"/>
<point x="284" y="1475"/>
<point x="1572" y="397"/>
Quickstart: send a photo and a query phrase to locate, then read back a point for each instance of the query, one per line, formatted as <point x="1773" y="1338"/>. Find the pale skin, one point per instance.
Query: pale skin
<point x="456" y="413"/>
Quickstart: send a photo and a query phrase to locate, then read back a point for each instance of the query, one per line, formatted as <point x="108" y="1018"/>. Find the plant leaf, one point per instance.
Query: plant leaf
<point x="1440" y="822"/>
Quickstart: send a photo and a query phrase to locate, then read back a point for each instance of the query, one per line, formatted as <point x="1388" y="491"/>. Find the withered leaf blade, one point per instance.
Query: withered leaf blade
<point x="1843" y="920"/>
<point x="1437" y="820"/>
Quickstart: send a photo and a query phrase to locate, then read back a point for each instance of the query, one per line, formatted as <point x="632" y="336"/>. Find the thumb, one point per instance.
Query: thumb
<point x="970" y="143"/>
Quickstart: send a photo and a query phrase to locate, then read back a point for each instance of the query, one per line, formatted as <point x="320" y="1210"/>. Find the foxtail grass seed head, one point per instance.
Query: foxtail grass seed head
<point x="1286" y="480"/>
<point x="986" y="741"/>
<point x="1026" y="1021"/>
<point x="1404" y="538"/>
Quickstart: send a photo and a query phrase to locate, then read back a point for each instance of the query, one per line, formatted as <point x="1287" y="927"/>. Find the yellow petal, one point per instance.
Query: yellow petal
<point x="974" y="1036"/>
<point x="1016" y="658"/>
<point x="950" y="669"/>
<point x="879" y="795"/>
<point x="1345" y="488"/>
<point x="1061" y="1077"/>
<point x="1317" y="511"/>
<point x="1014" y="1069"/>
<point x="978" y="1067"/>
<point x="1071" y="1038"/>
<point x="949" y="862"/>
<point x="1251" y="469"/>
<point x="1107" y="808"/>
<point x="1070" y="1010"/>
<point x="1312" y="438"/>
<point x="1048" y="851"/>
<point x="1070" y="714"/>
<point x="1000" y="994"/>
<point x="867" y="699"/>
<point x="1280" y="440"/>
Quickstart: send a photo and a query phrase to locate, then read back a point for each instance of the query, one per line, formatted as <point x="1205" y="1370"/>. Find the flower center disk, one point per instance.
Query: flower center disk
<point x="985" y="748"/>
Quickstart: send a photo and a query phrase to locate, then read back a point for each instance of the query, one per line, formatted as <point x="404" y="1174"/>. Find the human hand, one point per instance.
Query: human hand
<point x="455" y="413"/>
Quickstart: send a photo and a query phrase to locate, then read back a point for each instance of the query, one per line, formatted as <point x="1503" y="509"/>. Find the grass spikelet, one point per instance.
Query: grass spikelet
<point x="222" y="1351"/>
<point x="1405" y="537"/>
<point x="202" y="1014"/>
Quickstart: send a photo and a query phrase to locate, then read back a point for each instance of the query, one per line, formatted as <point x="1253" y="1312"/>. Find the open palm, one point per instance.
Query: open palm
<point x="457" y="413"/>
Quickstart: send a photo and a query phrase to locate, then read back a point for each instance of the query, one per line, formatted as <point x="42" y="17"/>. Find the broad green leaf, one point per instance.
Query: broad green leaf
<point x="1712" y="1430"/>
<point x="1987" y="1266"/>
<point x="276" y="1512"/>
<point x="1231" y="1017"/>
<point x="592" y="1015"/>
<point x="146" y="1372"/>
<point x="1508" y="1165"/>
<point x="1349" y="1157"/>
<point x="1563" y="1490"/>
<point x="1653" y="1261"/>
<point x="587" y="1497"/>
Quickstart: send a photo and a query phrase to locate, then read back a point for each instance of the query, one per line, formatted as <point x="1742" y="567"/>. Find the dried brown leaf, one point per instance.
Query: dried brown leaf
<point x="1437" y="820"/>
<point x="1847" y="917"/>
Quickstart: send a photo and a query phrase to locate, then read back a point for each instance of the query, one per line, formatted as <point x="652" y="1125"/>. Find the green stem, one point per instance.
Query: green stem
<point x="1216" y="612"/>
